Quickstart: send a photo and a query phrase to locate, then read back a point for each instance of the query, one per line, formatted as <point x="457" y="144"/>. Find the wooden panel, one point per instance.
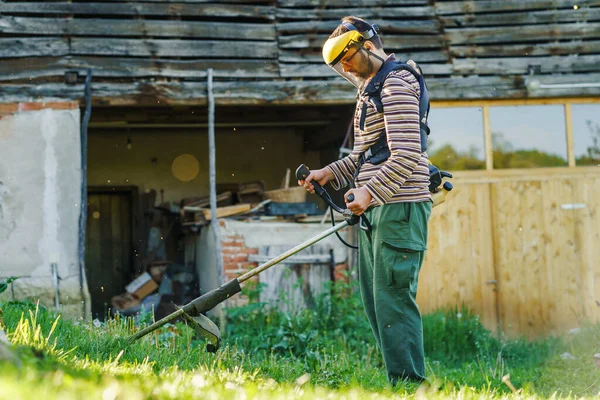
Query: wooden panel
<point x="322" y="70"/>
<point x="481" y="6"/>
<point x="388" y="27"/>
<point x="173" y="48"/>
<point x="315" y="56"/>
<point x="294" y="287"/>
<point x="33" y="47"/>
<point x="119" y="67"/>
<point x="391" y="41"/>
<point x="533" y="49"/>
<point x="523" y="18"/>
<point x="459" y="267"/>
<point x="141" y="9"/>
<point x="367" y="13"/>
<point x="136" y="27"/>
<point x="515" y="66"/>
<point x="523" y="33"/>
<point x="344" y="3"/>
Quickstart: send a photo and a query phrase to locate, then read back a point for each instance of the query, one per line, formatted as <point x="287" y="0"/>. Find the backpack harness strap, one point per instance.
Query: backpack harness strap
<point x="379" y="152"/>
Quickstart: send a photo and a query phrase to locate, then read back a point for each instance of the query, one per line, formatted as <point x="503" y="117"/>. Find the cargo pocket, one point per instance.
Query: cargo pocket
<point x="402" y="265"/>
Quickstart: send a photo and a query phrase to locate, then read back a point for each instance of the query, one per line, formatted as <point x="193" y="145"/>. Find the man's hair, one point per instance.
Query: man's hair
<point x="361" y="25"/>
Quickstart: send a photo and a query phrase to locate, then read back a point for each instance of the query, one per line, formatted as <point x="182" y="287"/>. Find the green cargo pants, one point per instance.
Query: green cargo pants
<point x="389" y="261"/>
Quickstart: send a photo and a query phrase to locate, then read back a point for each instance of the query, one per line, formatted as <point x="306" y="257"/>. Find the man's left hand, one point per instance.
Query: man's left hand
<point x="362" y="199"/>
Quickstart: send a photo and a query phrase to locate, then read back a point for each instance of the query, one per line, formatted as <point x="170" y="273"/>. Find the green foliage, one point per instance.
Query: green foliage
<point x="450" y="159"/>
<point x="325" y="352"/>
<point x="4" y="284"/>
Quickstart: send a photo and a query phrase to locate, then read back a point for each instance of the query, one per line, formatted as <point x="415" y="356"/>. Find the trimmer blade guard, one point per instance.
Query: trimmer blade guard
<point x="205" y="328"/>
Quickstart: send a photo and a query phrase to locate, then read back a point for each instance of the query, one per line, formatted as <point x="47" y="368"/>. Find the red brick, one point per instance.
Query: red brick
<point x="231" y="243"/>
<point x="249" y="250"/>
<point x="340" y="272"/>
<point x="235" y="258"/>
<point x="230" y="250"/>
<point x="228" y="266"/>
<point x="31" y="106"/>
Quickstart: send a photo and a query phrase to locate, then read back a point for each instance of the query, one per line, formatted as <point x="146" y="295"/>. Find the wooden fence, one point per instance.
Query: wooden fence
<point x="518" y="247"/>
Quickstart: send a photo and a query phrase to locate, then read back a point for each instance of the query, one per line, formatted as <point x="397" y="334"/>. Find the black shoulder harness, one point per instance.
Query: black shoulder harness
<point x="380" y="152"/>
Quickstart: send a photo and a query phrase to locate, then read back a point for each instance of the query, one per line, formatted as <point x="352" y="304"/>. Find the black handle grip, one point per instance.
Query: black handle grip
<point x="351" y="197"/>
<point x="302" y="173"/>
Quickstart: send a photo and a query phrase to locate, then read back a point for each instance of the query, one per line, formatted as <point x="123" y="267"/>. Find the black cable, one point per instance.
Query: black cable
<point x="337" y="233"/>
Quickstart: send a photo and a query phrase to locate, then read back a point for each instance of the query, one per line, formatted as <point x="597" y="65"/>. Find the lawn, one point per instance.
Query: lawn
<point x="323" y="353"/>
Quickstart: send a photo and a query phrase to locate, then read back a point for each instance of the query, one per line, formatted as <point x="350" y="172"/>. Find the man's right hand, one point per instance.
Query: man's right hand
<point x="322" y="176"/>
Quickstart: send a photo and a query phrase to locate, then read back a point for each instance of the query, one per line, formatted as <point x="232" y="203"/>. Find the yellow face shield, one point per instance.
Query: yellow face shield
<point x="336" y="48"/>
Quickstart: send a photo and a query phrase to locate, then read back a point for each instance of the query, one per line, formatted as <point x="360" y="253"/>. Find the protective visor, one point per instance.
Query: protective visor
<point x="338" y="48"/>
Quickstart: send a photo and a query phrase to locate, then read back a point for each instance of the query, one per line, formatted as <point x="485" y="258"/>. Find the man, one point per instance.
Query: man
<point x="392" y="194"/>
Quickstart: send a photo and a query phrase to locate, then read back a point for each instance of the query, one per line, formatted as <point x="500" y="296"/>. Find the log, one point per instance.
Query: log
<point x="532" y="33"/>
<point x="140" y="9"/>
<point x="522" y="18"/>
<point x="33" y="47"/>
<point x="533" y="49"/>
<point x="368" y="13"/>
<point x="344" y="3"/>
<point x="173" y="48"/>
<point x="135" y="27"/>
<point x="122" y="67"/>
<point x="515" y="66"/>
<point x="314" y="56"/>
<point x="481" y="6"/>
<point x="387" y="26"/>
<point x="322" y="70"/>
<point x="301" y="41"/>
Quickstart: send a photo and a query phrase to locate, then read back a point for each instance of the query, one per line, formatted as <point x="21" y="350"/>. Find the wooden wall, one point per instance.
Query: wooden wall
<point x="268" y="51"/>
<point x="520" y="248"/>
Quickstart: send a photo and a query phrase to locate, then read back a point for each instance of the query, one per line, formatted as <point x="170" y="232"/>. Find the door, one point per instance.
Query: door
<point x="109" y="246"/>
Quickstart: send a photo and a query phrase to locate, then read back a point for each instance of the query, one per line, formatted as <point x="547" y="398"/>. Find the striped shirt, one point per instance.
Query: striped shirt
<point x="404" y="176"/>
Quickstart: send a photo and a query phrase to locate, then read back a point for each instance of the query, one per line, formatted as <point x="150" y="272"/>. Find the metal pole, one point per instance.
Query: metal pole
<point x="85" y="294"/>
<point x="213" y="180"/>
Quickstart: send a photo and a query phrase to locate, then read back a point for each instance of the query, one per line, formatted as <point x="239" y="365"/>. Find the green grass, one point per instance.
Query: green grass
<point x="327" y="352"/>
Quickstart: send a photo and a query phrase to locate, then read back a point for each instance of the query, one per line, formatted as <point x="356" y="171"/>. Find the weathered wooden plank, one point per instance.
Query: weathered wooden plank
<point x="136" y="27"/>
<point x="367" y="13"/>
<point x="481" y="6"/>
<point x="513" y="66"/>
<point x="346" y="3"/>
<point x="199" y="1"/>
<point x="533" y="49"/>
<point x="140" y="9"/>
<point x="522" y="18"/>
<point x="334" y="91"/>
<point x="314" y="56"/>
<point x="172" y="48"/>
<point x="33" y="47"/>
<point x="390" y="41"/>
<point x="529" y="33"/>
<point x="396" y="26"/>
<point x="117" y="67"/>
<point x="322" y="70"/>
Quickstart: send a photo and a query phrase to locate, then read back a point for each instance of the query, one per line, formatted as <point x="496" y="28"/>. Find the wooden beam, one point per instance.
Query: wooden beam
<point x="314" y="56"/>
<point x="227" y="211"/>
<point x="522" y="18"/>
<point x="421" y="42"/>
<point x="322" y="70"/>
<point x="520" y="66"/>
<point x="263" y="92"/>
<point x="33" y="47"/>
<point x="529" y="33"/>
<point x="135" y="27"/>
<point x="344" y="3"/>
<point x="482" y="6"/>
<point x="368" y="13"/>
<point x="140" y="9"/>
<point x="525" y="50"/>
<point x="122" y="67"/>
<point x="387" y="26"/>
<point x="569" y="132"/>
<point x="487" y="138"/>
<point x="514" y="102"/>
<point x="173" y="48"/>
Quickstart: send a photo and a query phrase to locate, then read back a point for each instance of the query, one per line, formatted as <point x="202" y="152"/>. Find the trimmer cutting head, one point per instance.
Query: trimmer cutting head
<point x="205" y="328"/>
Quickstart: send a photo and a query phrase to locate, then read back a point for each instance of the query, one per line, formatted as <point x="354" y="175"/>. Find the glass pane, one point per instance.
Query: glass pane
<point x="586" y="133"/>
<point x="456" y="139"/>
<point x="528" y="136"/>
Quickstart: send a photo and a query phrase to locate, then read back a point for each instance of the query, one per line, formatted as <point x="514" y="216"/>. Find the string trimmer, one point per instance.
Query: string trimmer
<point x="192" y="312"/>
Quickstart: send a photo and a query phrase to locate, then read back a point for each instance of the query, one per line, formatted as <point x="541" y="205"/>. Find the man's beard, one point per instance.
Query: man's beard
<point x="366" y="66"/>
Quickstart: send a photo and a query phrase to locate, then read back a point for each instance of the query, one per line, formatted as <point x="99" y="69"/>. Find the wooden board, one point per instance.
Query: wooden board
<point x="139" y="9"/>
<point x="483" y="6"/>
<point x="227" y="211"/>
<point x="523" y="18"/>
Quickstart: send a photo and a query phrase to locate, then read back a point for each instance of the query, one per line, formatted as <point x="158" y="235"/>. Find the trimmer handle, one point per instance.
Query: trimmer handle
<point x="302" y="173"/>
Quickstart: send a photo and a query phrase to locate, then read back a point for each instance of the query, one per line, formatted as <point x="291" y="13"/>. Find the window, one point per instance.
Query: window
<point x="456" y="139"/>
<point x="528" y="136"/>
<point x="586" y="133"/>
